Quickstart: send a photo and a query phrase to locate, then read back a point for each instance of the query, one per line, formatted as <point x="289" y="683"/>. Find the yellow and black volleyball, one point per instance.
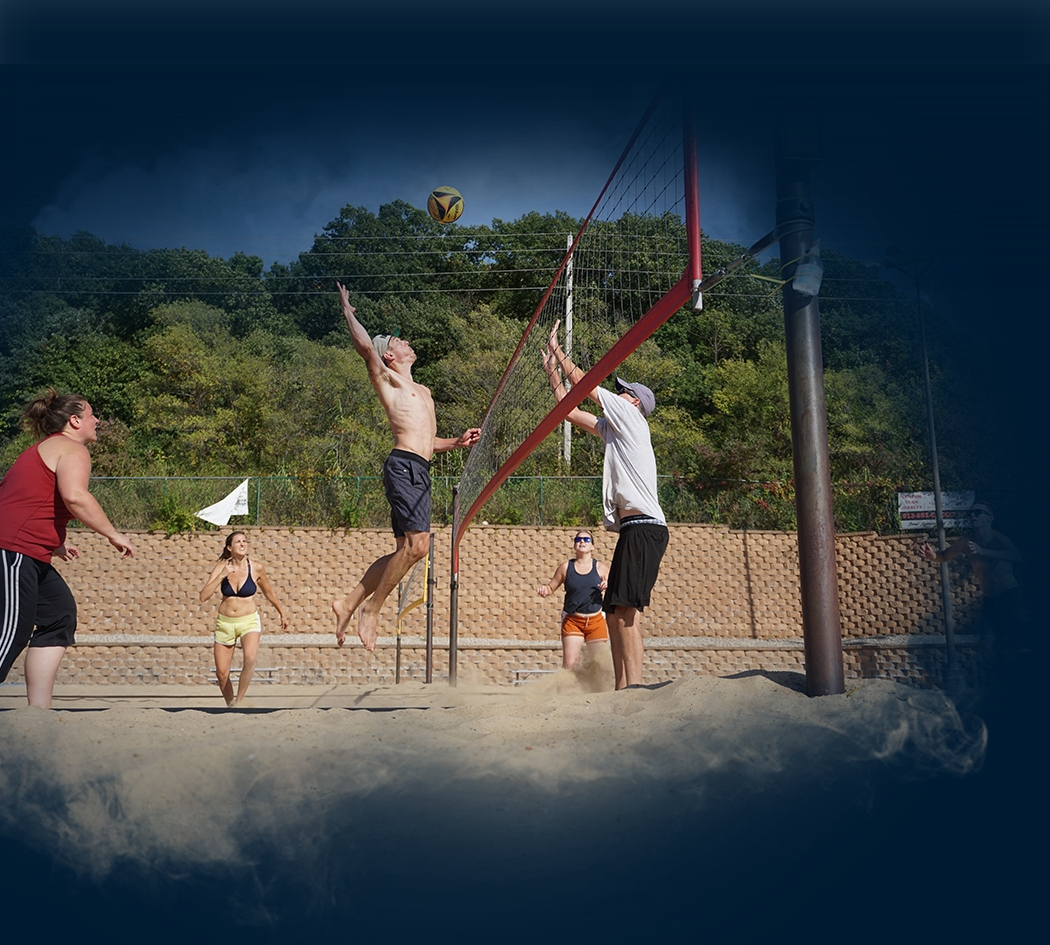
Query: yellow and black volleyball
<point x="445" y="204"/>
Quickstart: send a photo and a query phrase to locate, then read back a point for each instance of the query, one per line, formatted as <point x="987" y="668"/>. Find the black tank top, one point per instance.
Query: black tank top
<point x="582" y="594"/>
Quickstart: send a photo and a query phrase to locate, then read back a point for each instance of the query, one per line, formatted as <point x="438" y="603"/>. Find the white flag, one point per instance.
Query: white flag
<point x="236" y="503"/>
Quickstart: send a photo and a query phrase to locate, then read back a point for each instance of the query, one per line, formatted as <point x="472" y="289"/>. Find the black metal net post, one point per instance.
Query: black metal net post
<point x="798" y="152"/>
<point x="453" y="602"/>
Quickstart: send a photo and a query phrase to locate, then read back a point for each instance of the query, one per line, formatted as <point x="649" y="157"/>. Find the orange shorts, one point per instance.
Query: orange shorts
<point x="591" y="627"/>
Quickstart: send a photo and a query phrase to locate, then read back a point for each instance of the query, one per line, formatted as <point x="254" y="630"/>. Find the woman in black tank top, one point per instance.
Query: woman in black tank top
<point x="582" y="619"/>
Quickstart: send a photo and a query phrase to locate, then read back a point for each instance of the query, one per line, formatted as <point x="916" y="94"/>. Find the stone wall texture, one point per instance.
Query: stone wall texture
<point x="726" y="602"/>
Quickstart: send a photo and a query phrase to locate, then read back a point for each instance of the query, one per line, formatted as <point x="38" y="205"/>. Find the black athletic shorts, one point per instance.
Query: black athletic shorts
<point x="406" y="478"/>
<point x="36" y="607"/>
<point x="635" y="564"/>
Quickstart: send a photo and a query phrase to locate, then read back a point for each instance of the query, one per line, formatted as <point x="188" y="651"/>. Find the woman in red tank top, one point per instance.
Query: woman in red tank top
<point x="46" y="487"/>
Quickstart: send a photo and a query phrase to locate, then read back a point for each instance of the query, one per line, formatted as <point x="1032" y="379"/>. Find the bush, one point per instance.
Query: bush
<point x="174" y="518"/>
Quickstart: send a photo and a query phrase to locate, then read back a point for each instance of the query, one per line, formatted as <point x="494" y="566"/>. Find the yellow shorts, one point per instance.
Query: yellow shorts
<point x="591" y="627"/>
<point x="228" y="630"/>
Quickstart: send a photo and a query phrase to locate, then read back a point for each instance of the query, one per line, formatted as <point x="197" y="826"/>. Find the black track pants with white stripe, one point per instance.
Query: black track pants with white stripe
<point x="32" y="595"/>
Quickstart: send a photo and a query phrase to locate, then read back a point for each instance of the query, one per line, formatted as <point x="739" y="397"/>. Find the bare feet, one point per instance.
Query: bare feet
<point x="342" y="619"/>
<point x="368" y="629"/>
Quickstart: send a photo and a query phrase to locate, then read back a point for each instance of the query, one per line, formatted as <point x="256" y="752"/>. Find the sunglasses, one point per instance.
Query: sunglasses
<point x="582" y="538"/>
<point x="975" y="512"/>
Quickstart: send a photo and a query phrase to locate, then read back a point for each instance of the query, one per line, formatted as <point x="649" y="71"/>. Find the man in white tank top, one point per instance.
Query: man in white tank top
<point x="630" y="504"/>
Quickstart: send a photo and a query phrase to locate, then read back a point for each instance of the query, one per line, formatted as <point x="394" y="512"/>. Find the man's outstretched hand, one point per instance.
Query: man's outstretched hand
<point x="468" y="438"/>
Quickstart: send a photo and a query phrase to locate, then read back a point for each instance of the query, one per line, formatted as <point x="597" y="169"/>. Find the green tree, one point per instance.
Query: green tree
<point x="123" y="284"/>
<point x="202" y="406"/>
<point x="522" y="257"/>
<point x="401" y="252"/>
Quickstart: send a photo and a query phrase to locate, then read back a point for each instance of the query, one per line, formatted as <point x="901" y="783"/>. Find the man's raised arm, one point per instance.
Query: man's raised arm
<point x="362" y="341"/>
<point x="554" y="357"/>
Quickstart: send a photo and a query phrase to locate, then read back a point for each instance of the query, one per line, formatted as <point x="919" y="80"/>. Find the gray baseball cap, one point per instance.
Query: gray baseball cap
<point x="645" y="396"/>
<point x="380" y="343"/>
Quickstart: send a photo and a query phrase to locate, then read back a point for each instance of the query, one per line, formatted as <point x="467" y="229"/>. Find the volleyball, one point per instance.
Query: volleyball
<point x="445" y="204"/>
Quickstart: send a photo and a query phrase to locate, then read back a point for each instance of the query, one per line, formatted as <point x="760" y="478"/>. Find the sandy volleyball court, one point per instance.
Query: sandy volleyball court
<point x="375" y="809"/>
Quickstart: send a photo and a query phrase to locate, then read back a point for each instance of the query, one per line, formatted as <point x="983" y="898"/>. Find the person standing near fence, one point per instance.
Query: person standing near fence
<point x="582" y="619"/>
<point x="45" y="488"/>
<point x="992" y="556"/>
<point x="238" y="578"/>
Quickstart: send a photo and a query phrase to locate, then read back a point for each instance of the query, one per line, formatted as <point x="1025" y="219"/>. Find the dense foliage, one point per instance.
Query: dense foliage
<point x="211" y="367"/>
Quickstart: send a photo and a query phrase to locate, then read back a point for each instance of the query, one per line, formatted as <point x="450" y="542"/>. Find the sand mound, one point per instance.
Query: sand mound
<point x="186" y="789"/>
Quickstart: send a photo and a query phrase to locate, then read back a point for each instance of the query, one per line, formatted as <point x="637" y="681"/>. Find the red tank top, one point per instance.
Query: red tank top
<point x="33" y="517"/>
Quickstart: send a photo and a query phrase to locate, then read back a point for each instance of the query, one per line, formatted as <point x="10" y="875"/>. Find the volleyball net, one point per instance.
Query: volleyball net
<point x="634" y="262"/>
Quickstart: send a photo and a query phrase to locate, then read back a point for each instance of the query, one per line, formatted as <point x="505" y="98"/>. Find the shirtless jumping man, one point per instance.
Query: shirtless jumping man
<point x="406" y="474"/>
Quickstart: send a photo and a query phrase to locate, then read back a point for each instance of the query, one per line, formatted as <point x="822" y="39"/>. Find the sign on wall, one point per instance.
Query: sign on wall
<point x="917" y="510"/>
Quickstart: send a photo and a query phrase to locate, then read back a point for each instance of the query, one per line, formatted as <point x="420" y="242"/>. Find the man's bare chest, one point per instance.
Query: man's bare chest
<point x="412" y="400"/>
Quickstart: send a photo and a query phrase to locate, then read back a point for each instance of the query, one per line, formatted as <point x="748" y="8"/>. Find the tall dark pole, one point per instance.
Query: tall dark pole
<point x="809" y="430"/>
<point x="946" y="583"/>
<point x="431" y="589"/>
<point x="453" y="597"/>
<point x="895" y="259"/>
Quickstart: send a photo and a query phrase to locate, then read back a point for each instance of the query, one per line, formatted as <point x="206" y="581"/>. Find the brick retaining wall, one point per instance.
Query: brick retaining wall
<point x="726" y="602"/>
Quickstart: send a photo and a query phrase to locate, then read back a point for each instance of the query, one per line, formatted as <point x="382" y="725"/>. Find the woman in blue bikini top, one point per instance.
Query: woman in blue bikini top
<point x="247" y="588"/>
<point x="238" y="580"/>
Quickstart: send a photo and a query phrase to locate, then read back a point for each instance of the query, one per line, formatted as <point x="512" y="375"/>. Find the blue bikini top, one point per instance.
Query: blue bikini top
<point x="247" y="589"/>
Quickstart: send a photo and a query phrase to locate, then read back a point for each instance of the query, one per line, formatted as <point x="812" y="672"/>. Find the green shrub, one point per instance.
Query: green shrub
<point x="174" y="518"/>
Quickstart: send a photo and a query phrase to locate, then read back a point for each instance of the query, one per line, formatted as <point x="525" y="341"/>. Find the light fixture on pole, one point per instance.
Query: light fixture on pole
<point x="915" y="268"/>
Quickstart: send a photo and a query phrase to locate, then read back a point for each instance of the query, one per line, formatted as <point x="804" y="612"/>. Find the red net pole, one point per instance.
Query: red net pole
<point x="692" y="205"/>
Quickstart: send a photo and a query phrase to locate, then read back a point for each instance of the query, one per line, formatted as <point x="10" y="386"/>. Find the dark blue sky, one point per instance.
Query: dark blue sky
<point x="234" y="126"/>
